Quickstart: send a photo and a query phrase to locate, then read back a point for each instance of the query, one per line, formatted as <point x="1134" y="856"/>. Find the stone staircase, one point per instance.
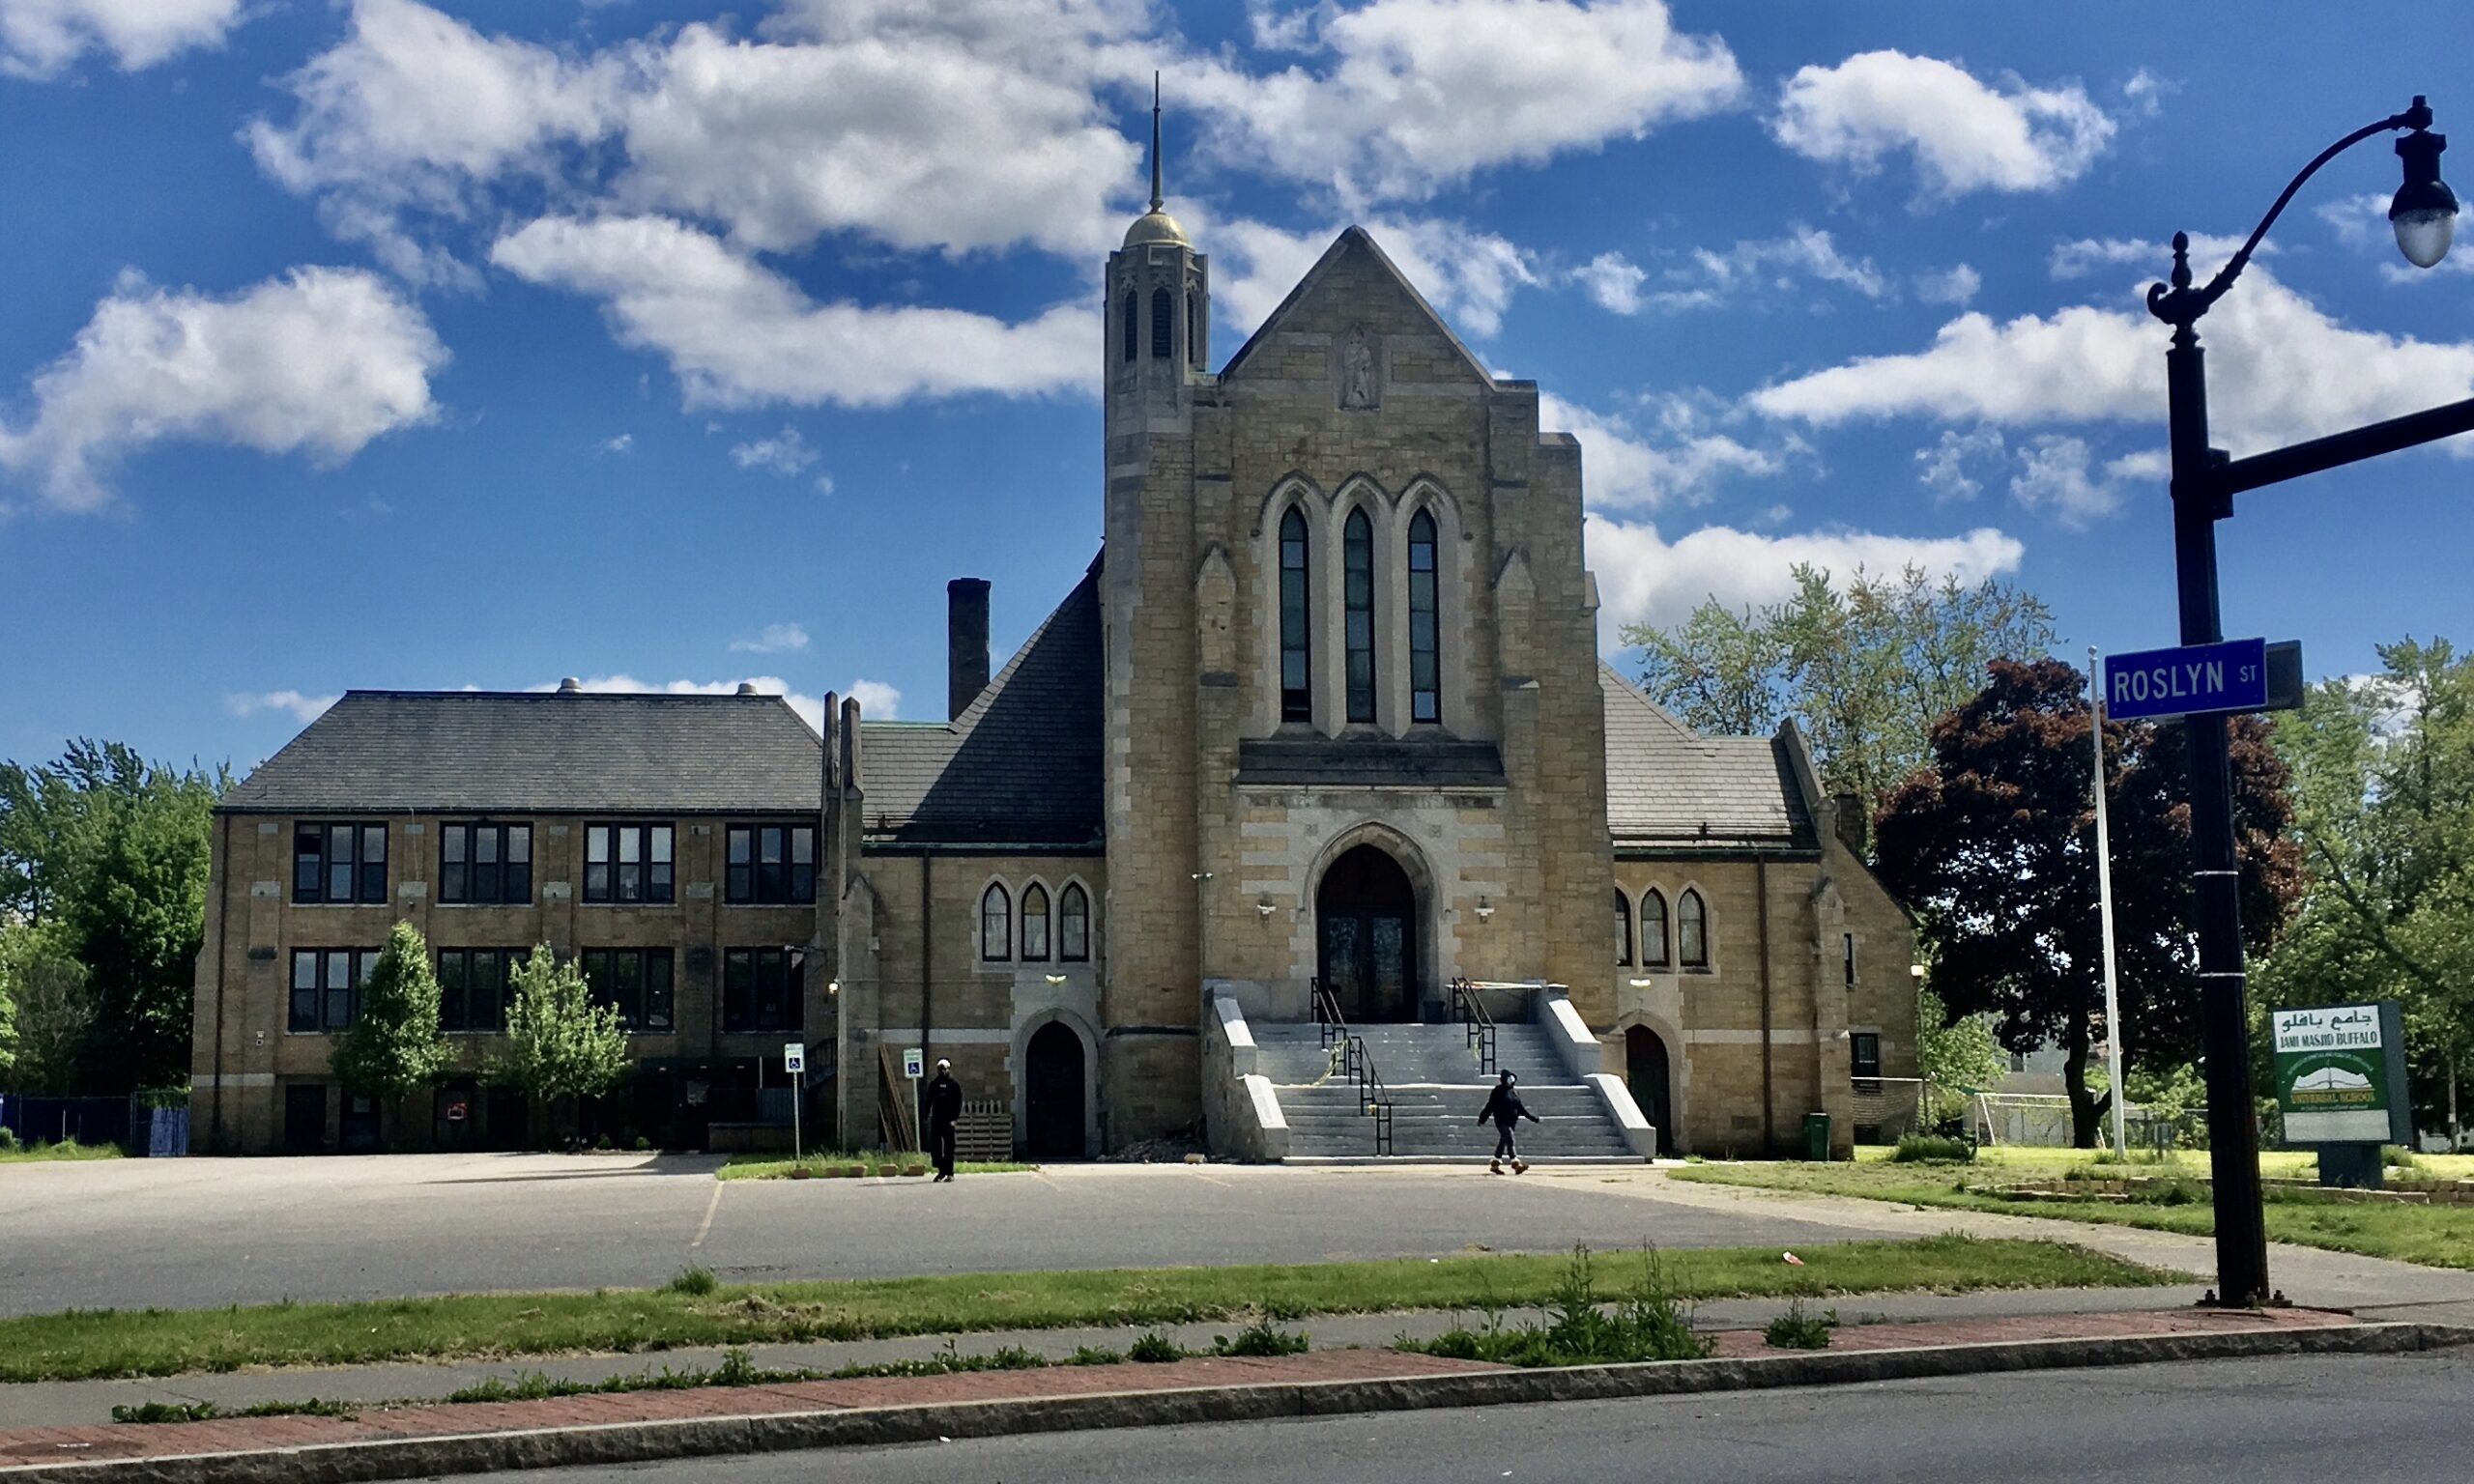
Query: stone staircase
<point x="1436" y="1087"/>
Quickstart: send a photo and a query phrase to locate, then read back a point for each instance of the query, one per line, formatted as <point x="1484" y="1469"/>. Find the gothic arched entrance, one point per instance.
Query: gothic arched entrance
<point x="1053" y="1094"/>
<point x="1366" y="917"/>
<point x="1646" y="1073"/>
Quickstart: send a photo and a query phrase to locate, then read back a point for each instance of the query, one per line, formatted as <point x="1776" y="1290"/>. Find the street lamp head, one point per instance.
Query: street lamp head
<point x="2425" y="211"/>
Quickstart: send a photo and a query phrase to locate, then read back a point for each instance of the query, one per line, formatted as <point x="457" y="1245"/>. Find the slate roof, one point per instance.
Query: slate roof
<point x="492" y="751"/>
<point x="1020" y="767"/>
<point x="1669" y="787"/>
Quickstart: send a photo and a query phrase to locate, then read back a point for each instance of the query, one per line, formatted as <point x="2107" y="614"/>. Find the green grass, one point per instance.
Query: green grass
<point x="833" y="1165"/>
<point x="2436" y="1236"/>
<point x="84" y="1343"/>
<point x="34" y="1153"/>
<point x="1585" y="1325"/>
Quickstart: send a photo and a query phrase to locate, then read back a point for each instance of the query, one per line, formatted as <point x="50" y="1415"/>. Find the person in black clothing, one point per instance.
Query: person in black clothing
<point x="945" y="1110"/>
<point x="1503" y="1107"/>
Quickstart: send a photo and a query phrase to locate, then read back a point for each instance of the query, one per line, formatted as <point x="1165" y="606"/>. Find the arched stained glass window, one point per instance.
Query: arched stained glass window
<point x="995" y="922"/>
<point x="1622" y="927"/>
<point x="1163" y="323"/>
<point x="1357" y="563"/>
<point x="1295" y="650"/>
<point x="1426" y="667"/>
<point x="1691" y="931"/>
<point x="1074" y="924"/>
<point x="1654" y="946"/>
<point x="1035" y="923"/>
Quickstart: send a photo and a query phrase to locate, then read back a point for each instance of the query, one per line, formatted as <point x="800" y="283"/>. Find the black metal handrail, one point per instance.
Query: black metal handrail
<point x="1481" y="1026"/>
<point x="1353" y="1062"/>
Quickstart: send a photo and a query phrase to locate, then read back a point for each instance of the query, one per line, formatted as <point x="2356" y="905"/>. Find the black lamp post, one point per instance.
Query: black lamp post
<point x="2205" y="481"/>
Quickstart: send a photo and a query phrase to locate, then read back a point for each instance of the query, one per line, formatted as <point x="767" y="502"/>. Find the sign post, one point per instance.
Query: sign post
<point x="2341" y="1082"/>
<point x="794" y="1061"/>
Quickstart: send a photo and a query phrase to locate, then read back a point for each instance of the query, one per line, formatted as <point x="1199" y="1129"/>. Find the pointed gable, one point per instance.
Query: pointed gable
<point x="1354" y="286"/>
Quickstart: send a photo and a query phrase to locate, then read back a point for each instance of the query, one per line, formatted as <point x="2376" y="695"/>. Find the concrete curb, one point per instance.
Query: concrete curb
<point x="629" y="1443"/>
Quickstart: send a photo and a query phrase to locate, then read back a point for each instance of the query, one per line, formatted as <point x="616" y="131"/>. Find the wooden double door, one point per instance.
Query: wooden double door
<point x="1367" y="923"/>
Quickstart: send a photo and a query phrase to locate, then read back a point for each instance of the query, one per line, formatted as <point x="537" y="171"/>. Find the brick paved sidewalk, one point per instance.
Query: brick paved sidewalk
<point x="52" y="1447"/>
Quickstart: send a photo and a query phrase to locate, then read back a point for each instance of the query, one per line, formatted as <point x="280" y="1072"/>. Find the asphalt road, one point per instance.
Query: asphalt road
<point x="2289" y="1420"/>
<point x="204" y="1233"/>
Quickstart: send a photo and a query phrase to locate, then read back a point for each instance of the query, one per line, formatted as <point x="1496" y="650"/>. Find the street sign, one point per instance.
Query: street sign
<point x="795" y="1057"/>
<point x="914" y="1063"/>
<point x="2341" y="1075"/>
<point x="2238" y="674"/>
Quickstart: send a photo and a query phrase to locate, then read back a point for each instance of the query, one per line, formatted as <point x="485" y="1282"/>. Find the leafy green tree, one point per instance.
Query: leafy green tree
<point x="46" y="990"/>
<point x="394" y="1047"/>
<point x="110" y="853"/>
<point x="561" y="1042"/>
<point x="1955" y="1054"/>
<point x="1993" y="842"/>
<point x="1864" y="668"/>
<point x="2384" y="811"/>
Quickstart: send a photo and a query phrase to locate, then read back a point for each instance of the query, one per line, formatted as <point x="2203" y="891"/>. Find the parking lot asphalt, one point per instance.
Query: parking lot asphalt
<point x="204" y="1233"/>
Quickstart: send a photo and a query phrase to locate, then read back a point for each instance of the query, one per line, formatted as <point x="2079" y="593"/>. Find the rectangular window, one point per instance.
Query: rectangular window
<point x="1864" y="1061"/>
<point x="472" y="989"/>
<point x="1849" y="940"/>
<point x="770" y="863"/>
<point x="763" y="989"/>
<point x="326" y="987"/>
<point x="339" y="863"/>
<point x="484" y="864"/>
<point x="636" y="979"/>
<point x="628" y="863"/>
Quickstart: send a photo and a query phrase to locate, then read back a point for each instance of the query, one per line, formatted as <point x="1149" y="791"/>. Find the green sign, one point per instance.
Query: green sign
<point x="2341" y="1075"/>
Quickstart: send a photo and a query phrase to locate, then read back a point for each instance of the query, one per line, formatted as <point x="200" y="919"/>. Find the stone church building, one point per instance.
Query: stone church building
<point x="1323" y="726"/>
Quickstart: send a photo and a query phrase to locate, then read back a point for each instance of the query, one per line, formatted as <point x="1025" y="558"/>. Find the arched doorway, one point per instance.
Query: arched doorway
<point x="1053" y="1094"/>
<point x="1646" y="1074"/>
<point x="1367" y="920"/>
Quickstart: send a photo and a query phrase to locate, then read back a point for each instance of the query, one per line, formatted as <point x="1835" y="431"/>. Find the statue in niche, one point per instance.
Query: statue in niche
<point x="1357" y="371"/>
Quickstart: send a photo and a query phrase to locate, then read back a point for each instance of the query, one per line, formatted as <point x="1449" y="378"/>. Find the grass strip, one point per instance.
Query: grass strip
<point x="2434" y="1235"/>
<point x="69" y="1149"/>
<point x="843" y="1166"/>
<point x="85" y="1344"/>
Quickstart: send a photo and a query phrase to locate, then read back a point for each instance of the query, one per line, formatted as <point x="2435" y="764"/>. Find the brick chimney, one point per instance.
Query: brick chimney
<point x="1852" y="823"/>
<point x="966" y="642"/>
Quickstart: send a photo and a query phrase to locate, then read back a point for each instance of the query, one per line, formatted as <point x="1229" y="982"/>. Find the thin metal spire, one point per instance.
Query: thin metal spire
<point x="1157" y="199"/>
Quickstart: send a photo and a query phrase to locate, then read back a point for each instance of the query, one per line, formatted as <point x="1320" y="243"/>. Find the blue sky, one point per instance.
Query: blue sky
<point x="391" y="345"/>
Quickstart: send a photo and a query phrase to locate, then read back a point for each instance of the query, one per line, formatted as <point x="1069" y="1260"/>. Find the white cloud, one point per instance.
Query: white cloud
<point x="785" y="453"/>
<point x="1622" y="469"/>
<point x="875" y="700"/>
<point x="1642" y="577"/>
<point x="738" y="335"/>
<point x="40" y="38"/>
<point x="1611" y="279"/>
<point x="2278" y="369"/>
<point x="2361" y="222"/>
<point x="1965" y="134"/>
<point x="1711" y="279"/>
<point x="321" y="359"/>
<point x="1950" y="286"/>
<point x="1468" y="276"/>
<point x="2054" y="476"/>
<point x="809" y="707"/>
<point x="2081" y="258"/>
<point x="624" y="443"/>
<point x="2146" y="93"/>
<point x="1416" y="93"/>
<point x="302" y="709"/>
<point x="1943" y="468"/>
<point x="773" y="639"/>
<point x="825" y="484"/>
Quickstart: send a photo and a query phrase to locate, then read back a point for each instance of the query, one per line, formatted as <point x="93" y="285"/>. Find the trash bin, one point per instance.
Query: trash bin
<point x="1817" y="1136"/>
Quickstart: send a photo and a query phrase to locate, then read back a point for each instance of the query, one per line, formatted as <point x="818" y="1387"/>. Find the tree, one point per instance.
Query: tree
<point x="46" y="991"/>
<point x="2384" y="812"/>
<point x="1993" y="842"/>
<point x="394" y="1047"/>
<point x="1955" y="1055"/>
<point x="1865" y="671"/>
<point x="561" y="1042"/>
<point x="110" y="853"/>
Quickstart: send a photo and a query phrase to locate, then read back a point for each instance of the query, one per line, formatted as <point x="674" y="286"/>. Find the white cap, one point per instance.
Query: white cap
<point x="943" y="1065"/>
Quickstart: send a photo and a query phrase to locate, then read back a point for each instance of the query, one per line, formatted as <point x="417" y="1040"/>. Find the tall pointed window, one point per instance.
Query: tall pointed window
<point x="1035" y="923"/>
<point x="1653" y="949"/>
<point x="1691" y="931"/>
<point x="1126" y="332"/>
<point x="1622" y="927"/>
<point x="1425" y="670"/>
<point x="1296" y="690"/>
<point x="1163" y="323"/>
<point x="995" y="922"/>
<point x="1357" y="562"/>
<point x="1074" y="924"/>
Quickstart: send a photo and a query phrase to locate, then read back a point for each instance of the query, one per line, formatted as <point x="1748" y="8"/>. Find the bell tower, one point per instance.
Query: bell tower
<point x="1156" y="347"/>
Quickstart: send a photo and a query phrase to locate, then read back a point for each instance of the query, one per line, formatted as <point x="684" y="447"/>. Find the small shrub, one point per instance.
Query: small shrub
<point x="696" y="1283"/>
<point x="1799" y="1330"/>
<point x="2396" y="1156"/>
<point x="1095" y="1354"/>
<point x="644" y="1144"/>
<point x="602" y="1143"/>
<point x="1260" y="1338"/>
<point x="1915" y="1147"/>
<point x="8" y="1141"/>
<point x="738" y="1368"/>
<point x="1155" y="1349"/>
